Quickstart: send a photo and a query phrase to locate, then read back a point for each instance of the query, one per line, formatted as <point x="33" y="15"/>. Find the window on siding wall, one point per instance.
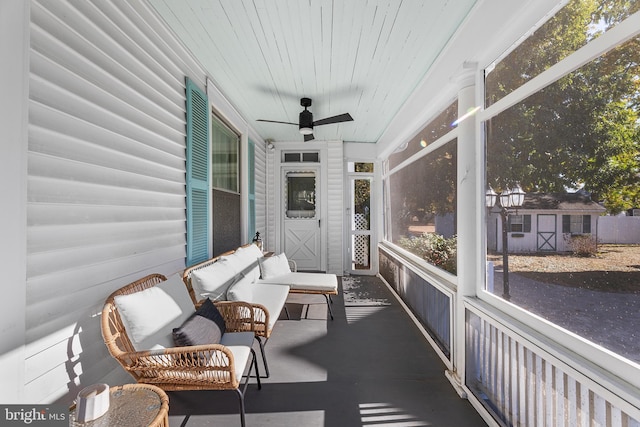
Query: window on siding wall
<point x="226" y="213"/>
<point x="422" y="206"/>
<point x="520" y="223"/>
<point x="578" y="134"/>
<point x="576" y="224"/>
<point x="225" y="147"/>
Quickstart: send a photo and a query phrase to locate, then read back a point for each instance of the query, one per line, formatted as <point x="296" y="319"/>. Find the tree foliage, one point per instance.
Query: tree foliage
<point x="428" y="185"/>
<point x="582" y="131"/>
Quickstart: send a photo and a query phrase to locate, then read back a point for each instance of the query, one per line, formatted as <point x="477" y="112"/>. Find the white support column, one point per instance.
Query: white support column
<point x="467" y="213"/>
<point x="14" y="97"/>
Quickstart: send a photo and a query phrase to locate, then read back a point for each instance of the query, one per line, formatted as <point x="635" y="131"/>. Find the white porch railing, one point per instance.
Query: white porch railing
<point x="429" y="302"/>
<point x="513" y="374"/>
<point x="522" y="385"/>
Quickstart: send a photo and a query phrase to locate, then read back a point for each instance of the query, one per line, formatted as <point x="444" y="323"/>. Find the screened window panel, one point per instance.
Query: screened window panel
<point x="422" y="200"/>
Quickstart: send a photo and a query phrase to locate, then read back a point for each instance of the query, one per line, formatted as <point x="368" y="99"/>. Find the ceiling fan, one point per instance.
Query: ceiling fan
<point x="306" y="123"/>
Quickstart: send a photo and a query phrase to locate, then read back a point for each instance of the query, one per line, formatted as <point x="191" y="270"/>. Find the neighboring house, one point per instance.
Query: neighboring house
<point x="545" y="222"/>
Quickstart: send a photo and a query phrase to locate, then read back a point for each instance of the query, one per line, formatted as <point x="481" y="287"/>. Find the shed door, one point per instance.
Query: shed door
<point x="547" y="233"/>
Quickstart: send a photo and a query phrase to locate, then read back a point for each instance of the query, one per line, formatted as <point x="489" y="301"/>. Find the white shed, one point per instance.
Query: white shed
<point x="544" y="222"/>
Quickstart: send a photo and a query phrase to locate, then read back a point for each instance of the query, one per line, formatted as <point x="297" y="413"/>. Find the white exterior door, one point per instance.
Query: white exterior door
<point x="301" y="222"/>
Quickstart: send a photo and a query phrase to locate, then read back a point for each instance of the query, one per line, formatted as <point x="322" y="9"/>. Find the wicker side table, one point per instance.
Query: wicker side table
<point x="132" y="405"/>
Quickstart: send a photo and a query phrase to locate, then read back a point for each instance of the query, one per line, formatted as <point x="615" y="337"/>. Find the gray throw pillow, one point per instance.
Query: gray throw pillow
<point x="205" y="326"/>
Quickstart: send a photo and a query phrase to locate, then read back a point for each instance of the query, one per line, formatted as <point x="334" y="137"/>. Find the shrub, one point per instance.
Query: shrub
<point x="582" y="245"/>
<point x="434" y="248"/>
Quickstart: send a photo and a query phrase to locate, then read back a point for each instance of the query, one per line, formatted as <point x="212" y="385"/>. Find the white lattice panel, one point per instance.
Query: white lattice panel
<point x="361" y="242"/>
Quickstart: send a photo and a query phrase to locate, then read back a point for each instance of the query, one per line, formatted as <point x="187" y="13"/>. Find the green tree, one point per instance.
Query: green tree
<point x="584" y="129"/>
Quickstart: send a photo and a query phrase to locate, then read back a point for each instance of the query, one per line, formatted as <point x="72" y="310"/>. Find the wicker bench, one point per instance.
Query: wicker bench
<point x="236" y="275"/>
<point x="232" y="276"/>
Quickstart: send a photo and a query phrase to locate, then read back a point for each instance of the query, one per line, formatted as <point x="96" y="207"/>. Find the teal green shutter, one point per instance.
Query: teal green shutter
<point x="251" y="176"/>
<point x="198" y="170"/>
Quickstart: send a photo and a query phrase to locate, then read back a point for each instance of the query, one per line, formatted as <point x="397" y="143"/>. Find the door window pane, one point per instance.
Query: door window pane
<point x="301" y="195"/>
<point x="362" y="200"/>
<point x="311" y="157"/>
<point x="363" y="167"/>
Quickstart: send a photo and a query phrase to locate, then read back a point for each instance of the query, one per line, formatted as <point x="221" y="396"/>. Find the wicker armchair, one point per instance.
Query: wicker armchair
<point x="203" y="367"/>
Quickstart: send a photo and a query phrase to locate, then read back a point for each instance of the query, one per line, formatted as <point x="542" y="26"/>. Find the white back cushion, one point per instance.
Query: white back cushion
<point x="243" y="258"/>
<point x="149" y="316"/>
<point x="274" y="266"/>
<point x="251" y="251"/>
<point x="212" y="281"/>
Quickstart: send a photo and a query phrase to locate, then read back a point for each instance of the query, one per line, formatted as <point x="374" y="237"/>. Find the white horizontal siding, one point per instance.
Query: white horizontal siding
<point x="106" y="185"/>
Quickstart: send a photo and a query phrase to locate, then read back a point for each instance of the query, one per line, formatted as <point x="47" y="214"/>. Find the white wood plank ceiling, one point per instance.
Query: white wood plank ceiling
<point x="364" y="57"/>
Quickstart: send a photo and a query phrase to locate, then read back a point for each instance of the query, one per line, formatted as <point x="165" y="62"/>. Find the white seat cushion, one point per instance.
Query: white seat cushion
<point x="316" y="282"/>
<point x="149" y="316"/>
<point x="240" y="345"/>
<point x="272" y="297"/>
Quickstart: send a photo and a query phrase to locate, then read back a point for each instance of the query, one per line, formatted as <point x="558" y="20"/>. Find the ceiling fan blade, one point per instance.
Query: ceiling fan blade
<point x="346" y="117"/>
<point x="308" y="137"/>
<point x="275" y="121"/>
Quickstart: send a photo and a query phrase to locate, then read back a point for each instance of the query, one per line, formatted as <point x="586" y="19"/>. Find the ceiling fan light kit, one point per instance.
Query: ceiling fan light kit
<point x="306" y="123"/>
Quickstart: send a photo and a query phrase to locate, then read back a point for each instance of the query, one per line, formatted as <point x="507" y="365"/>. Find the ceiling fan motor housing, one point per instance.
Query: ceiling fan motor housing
<point x="305" y="122"/>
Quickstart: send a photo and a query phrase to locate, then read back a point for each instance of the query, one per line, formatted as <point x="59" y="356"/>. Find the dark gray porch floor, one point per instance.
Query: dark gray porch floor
<point x="370" y="367"/>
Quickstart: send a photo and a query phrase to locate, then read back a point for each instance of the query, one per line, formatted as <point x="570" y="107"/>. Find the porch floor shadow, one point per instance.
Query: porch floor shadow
<point x="370" y="367"/>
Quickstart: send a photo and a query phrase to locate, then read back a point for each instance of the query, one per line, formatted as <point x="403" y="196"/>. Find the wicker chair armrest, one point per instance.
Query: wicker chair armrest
<point x="168" y="356"/>
<point x="261" y="319"/>
<point x="252" y="317"/>
<point x="212" y="363"/>
<point x="241" y="316"/>
<point x="238" y="315"/>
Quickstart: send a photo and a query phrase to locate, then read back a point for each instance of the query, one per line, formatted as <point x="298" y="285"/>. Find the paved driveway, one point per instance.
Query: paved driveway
<point x="611" y="320"/>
